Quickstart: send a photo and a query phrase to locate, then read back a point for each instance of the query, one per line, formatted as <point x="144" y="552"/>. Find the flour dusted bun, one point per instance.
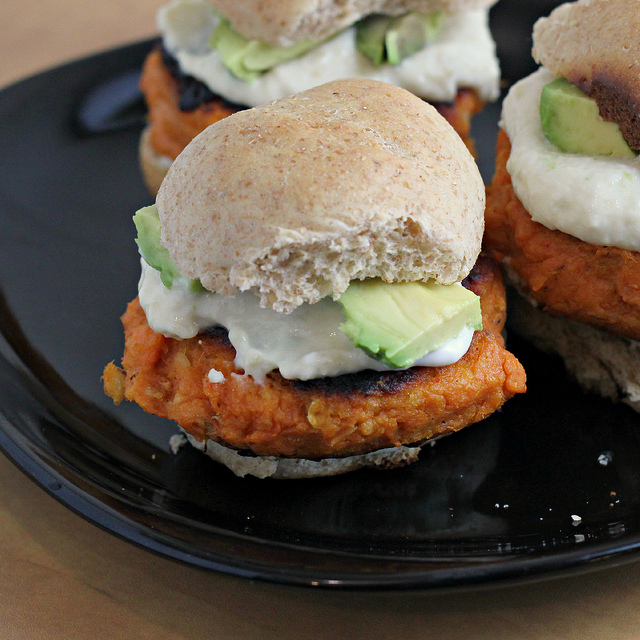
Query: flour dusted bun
<point x="600" y="361"/>
<point x="285" y="22"/>
<point x="594" y="45"/>
<point x="349" y="180"/>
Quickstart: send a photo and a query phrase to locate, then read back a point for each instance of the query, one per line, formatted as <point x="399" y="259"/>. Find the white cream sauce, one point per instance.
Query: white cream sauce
<point x="594" y="198"/>
<point x="462" y="55"/>
<point x="304" y="344"/>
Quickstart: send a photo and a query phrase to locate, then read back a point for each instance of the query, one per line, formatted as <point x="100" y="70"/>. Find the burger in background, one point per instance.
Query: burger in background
<point x="312" y="298"/>
<point x="564" y="204"/>
<point x="217" y="57"/>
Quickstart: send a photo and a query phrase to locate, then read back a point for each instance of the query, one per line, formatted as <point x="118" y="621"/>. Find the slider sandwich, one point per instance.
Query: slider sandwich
<point x="563" y="209"/>
<point x="219" y="56"/>
<point x="312" y="297"/>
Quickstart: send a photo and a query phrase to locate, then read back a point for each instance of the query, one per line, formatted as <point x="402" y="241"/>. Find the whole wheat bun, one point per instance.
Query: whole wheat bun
<point x="286" y="22"/>
<point x="595" y="44"/>
<point x="349" y="180"/>
<point x="601" y="362"/>
<point x="299" y="468"/>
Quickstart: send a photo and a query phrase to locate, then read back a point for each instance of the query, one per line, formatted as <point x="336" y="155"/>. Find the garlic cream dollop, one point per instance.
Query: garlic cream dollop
<point x="593" y="198"/>
<point x="304" y="344"/>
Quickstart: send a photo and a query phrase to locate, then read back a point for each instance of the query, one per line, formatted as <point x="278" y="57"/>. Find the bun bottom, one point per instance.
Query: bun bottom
<point x="299" y="468"/>
<point x="600" y="362"/>
<point x="153" y="165"/>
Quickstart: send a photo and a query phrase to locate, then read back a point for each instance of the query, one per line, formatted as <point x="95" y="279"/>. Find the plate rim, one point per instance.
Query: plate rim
<point x="478" y="572"/>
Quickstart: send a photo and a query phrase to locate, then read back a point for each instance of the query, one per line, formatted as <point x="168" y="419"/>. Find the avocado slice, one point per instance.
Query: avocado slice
<point x="409" y="34"/>
<point x="147" y="223"/>
<point x="398" y="323"/>
<point x="232" y="48"/>
<point x="262" y="56"/>
<point x="370" y="38"/>
<point x="384" y="39"/>
<point x="248" y="59"/>
<point x="571" y="120"/>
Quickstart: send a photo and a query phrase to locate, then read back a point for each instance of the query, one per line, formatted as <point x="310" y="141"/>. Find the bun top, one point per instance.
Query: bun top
<point x="349" y="180"/>
<point x="286" y="22"/>
<point x="595" y="44"/>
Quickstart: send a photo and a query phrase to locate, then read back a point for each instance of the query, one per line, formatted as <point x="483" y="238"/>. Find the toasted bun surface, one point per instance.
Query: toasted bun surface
<point x="349" y="180"/>
<point x="595" y="45"/>
<point x="285" y="22"/>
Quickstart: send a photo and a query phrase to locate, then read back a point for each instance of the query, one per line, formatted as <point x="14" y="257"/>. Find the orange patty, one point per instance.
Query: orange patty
<point x="346" y="415"/>
<point x="172" y="129"/>
<point x="597" y="285"/>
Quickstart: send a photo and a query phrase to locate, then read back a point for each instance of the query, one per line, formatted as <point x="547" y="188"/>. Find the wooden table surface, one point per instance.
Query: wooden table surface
<point x="63" y="578"/>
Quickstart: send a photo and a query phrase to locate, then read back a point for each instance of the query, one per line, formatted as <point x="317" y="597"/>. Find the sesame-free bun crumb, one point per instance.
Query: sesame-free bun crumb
<point x="349" y="180"/>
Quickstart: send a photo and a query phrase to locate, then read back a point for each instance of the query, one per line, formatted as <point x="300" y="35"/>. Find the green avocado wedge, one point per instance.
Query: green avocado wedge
<point x="370" y="38"/>
<point x="156" y="255"/>
<point x="571" y="121"/>
<point x="398" y="323"/>
<point x="382" y="39"/>
<point x="248" y="59"/>
<point x="389" y="40"/>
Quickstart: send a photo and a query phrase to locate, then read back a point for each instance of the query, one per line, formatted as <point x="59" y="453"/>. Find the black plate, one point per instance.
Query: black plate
<point x="500" y="500"/>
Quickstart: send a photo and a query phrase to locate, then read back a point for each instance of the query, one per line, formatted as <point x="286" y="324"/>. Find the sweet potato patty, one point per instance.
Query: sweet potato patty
<point x="172" y="128"/>
<point x="593" y="284"/>
<point x="345" y="415"/>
